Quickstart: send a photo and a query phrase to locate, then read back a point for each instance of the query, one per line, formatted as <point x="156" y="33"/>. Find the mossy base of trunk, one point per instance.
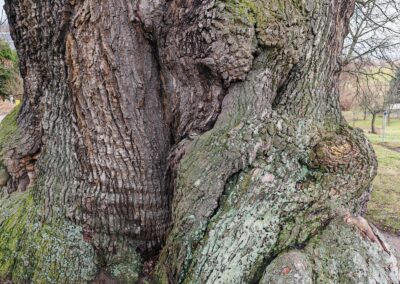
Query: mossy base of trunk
<point x="35" y="251"/>
<point x="40" y="252"/>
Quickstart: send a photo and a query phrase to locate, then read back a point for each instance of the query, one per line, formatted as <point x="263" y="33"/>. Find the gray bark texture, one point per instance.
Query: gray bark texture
<point x="184" y="141"/>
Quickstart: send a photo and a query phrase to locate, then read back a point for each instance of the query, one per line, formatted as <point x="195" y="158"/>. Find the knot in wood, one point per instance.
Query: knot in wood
<point x="334" y="153"/>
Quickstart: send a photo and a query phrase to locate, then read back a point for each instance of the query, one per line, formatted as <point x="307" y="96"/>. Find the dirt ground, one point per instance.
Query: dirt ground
<point x="390" y="147"/>
<point x="393" y="240"/>
<point x="5" y="107"/>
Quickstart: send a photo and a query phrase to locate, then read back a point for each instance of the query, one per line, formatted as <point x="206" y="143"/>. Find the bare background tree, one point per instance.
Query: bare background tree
<point x="374" y="36"/>
<point x="392" y="98"/>
<point x="371" y="96"/>
<point x="3" y="18"/>
<point x="370" y="54"/>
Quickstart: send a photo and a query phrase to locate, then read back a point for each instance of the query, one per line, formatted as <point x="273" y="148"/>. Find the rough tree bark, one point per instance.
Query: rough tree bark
<point x="207" y="133"/>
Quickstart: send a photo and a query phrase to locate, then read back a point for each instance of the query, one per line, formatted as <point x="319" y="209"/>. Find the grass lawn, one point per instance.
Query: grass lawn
<point x="384" y="207"/>
<point x="392" y="135"/>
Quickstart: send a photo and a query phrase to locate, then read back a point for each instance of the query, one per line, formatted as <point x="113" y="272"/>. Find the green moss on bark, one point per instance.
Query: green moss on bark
<point x="35" y="251"/>
<point x="49" y="251"/>
<point x="128" y="267"/>
<point x="266" y="16"/>
<point x="8" y="128"/>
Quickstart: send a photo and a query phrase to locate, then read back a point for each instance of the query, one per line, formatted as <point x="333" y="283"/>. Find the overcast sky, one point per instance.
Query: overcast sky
<point x="2" y="13"/>
<point x="1" y="5"/>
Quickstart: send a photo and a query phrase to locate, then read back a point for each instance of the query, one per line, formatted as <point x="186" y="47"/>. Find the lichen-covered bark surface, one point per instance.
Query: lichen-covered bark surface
<point x="280" y="160"/>
<point x="338" y="255"/>
<point x="210" y="128"/>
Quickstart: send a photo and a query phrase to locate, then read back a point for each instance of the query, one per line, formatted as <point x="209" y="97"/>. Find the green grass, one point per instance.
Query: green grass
<point x="392" y="134"/>
<point x="8" y="128"/>
<point x="384" y="206"/>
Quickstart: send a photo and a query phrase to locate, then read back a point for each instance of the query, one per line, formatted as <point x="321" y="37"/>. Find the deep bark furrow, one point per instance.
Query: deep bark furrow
<point x="128" y="95"/>
<point x="103" y="175"/>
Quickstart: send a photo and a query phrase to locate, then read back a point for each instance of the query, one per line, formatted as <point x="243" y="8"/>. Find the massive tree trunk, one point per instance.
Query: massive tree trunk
<point x="207" y="133"/>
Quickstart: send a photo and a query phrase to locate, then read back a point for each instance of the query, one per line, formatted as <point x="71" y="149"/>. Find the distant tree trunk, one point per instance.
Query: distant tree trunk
<point x="208" y="132"/>
<point x="373" y="130"/>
